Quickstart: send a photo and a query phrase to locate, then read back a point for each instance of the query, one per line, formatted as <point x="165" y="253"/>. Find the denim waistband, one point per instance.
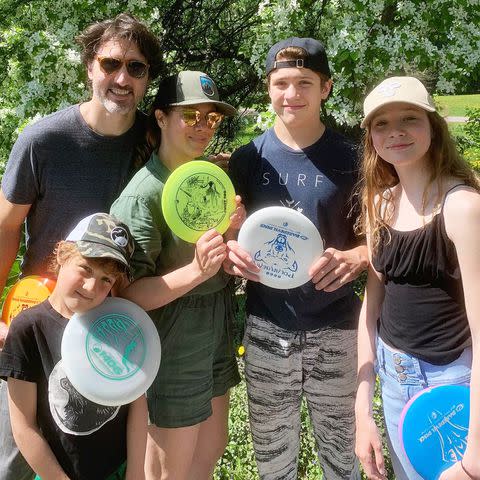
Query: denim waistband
<point x="407" y="369"/>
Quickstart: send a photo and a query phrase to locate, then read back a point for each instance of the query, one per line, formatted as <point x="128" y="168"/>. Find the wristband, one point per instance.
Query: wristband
<point x="467" y="473"/>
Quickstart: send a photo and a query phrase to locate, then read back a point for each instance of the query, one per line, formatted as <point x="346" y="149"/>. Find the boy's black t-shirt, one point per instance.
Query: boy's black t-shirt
<point x="88" y="440"/>
<point x="317" y="181"/>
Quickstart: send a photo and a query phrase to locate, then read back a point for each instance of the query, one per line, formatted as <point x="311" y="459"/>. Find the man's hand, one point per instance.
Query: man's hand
<point x="335" y="268"/>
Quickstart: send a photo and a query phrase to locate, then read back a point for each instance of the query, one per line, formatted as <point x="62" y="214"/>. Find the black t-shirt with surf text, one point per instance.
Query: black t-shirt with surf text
<point x="317" y="181"/>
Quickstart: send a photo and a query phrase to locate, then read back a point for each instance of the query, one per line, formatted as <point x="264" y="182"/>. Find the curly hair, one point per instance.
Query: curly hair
<point x="65" y="251"/>
<point x="124" y="27"/>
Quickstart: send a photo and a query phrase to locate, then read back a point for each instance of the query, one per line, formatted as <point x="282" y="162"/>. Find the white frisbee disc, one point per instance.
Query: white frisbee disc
<point x="283" y="243"/>
<point x="111" y="354"/>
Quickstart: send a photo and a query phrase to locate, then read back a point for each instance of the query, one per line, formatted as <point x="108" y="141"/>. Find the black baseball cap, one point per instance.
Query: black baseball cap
<point x="315" y="56"/>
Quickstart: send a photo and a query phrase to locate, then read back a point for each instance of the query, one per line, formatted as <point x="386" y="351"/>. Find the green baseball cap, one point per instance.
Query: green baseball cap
<point x="103" y="236"/>
<point x="190" y="88"/>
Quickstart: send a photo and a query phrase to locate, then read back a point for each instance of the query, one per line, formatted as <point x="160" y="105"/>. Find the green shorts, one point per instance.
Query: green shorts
<point x="198" y="358"/>
<point x="119" y="474"/>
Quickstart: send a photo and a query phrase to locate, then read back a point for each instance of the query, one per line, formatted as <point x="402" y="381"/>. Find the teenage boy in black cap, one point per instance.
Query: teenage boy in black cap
<point x="301" y="342"/>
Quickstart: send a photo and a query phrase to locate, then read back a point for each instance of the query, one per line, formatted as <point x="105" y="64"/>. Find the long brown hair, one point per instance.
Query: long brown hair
<point x="378" y="177"/>
<point x="153" y="135"/>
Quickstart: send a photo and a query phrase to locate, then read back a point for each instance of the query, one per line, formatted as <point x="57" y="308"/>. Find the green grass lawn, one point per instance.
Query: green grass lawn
<point x="456" y="105"/>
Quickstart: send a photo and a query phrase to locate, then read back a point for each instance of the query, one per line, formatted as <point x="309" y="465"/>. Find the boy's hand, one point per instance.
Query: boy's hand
<point x="335" y="268"/>
<point x="210" y="252"/>
<point x="239" y="262"/>
<point x="221" y="160"/>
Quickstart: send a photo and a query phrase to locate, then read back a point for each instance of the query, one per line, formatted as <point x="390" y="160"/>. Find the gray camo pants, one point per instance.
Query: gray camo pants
<point x="281" y="366"/>
<point x="12" y="464"/>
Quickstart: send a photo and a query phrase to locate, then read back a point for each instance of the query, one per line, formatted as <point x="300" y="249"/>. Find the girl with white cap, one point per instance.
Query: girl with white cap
<point x="420" y="320"/>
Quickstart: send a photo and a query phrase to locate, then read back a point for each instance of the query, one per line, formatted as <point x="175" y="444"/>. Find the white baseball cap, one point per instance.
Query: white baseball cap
<point x="397" y="89"/>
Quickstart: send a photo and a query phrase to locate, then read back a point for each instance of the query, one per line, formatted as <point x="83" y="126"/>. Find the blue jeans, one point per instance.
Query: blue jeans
<point x="401" y="377"/>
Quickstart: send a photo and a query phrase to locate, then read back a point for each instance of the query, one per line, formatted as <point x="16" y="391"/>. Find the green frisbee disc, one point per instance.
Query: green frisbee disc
<point x="197" y="197"/>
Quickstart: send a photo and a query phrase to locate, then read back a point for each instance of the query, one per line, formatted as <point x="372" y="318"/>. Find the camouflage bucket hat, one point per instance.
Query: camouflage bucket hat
<point x="103" y="236"/>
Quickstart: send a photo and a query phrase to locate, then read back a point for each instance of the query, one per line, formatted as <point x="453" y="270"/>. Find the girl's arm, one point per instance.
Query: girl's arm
<point x="22" y="402"/>
<point x="368" y="445"/>
<point x="136" y="439"/>
<point x="462" y="222"/>
<point x="154" y="292"/>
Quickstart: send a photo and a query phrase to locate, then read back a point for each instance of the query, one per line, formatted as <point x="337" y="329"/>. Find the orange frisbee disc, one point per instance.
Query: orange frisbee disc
<point x="27" y="292"/>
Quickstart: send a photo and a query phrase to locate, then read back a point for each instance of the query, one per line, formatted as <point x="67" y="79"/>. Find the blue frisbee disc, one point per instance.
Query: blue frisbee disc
<point x="434" y="428"/>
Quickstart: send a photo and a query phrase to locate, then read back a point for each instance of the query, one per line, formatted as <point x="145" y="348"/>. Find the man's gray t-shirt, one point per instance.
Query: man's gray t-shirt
<point x="66" y="171"/>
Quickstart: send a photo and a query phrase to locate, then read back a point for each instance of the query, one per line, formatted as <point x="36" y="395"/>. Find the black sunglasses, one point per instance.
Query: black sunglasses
<point x="135" y="68"/>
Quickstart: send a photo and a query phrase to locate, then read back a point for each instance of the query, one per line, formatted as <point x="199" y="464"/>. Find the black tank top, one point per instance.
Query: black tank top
<point x="423" y="312"/>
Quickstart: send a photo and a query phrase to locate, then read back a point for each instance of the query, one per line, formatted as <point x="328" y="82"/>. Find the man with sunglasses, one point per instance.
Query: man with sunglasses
<point x="72" y="163"/>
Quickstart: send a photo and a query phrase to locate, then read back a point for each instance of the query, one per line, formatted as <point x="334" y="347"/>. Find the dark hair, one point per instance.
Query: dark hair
<point x="124" y="27"/>
<point x="153" y="136"/>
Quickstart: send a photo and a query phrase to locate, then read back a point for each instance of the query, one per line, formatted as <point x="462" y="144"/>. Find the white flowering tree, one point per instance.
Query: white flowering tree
<point x="366" y="40"/>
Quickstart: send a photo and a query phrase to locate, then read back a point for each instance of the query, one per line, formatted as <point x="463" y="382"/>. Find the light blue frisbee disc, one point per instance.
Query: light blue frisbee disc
<point x="434" y="428"/>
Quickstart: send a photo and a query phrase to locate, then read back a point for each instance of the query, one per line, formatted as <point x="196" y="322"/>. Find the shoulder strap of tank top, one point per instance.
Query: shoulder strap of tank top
<point x="448" y="191"/>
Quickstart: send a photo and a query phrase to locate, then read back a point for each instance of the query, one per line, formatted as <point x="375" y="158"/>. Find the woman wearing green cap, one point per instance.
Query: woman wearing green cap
<point x="184" y="289"/>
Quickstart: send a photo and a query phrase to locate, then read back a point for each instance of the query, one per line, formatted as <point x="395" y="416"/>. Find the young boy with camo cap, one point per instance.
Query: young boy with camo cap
<point x="59" y="432"/>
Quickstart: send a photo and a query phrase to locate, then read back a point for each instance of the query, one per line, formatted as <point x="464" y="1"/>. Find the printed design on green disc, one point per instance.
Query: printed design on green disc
<point x="201" y="201"/>
<point x="115" y="346"/>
